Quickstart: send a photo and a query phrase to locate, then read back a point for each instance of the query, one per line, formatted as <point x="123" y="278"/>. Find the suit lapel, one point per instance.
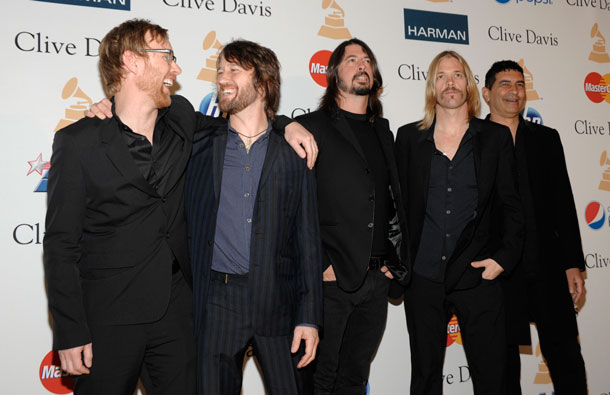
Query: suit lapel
<point x="272" y="150"/>
<point x="118" y="153"/>
<point x="185" y="153"/>
<point x="341" y="124"/>
<point x="475" y="127"/>
<point x="424" y="160"/>
<point x="220" y="145"/>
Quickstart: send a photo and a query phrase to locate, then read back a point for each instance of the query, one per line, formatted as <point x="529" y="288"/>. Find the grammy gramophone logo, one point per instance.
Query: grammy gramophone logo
<point x="530" y="92"/>
<point x="543" y="376"/>
<point x="334" y="22"/>
<point x="598" y="53"/>
<point x="78" y="100"/>
<point x="604" y="161"/>
<point x="212" y="45"/>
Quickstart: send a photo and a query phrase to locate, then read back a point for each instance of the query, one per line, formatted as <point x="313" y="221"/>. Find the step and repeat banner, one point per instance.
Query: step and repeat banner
<point x="50" y="74"/>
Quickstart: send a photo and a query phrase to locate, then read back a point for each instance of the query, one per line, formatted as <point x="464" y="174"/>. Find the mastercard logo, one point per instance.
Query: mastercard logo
<point x="51" y="376"/>
<point x="318" y="65"/>
<point x="597" y="87"/>
<point x="453" y="332"/>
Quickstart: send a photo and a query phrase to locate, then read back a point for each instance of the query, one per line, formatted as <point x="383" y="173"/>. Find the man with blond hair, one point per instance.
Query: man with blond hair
<point x="455" y="170"/>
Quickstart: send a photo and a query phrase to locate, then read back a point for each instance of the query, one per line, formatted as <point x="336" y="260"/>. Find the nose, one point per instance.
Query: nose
<point x="176" y="69"/>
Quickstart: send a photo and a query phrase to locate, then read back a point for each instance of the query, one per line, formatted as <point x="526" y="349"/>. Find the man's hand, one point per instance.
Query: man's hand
<point x="302" y="142"/>
<point x="329" y="274"/>
<point x="492" y="268"/>
<point x="102" y="110"/>
<point x="576" y="283"/>
<point x="72" y="359"/>
<point x="387" y="272"/>
<point x="310" y="336"/>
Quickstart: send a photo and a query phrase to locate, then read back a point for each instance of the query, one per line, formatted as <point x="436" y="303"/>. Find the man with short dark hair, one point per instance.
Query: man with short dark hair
<point x="548" y="282"/>
<point x="361" y="228"/>
<point x="454" y="169"/>
<point x="254" y="236"/>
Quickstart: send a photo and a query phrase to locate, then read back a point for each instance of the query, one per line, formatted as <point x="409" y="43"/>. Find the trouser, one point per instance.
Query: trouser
<point x="481" y="316"/>
<point x="561" y="351"/>
<point x="353" y="326"/>
<point x="227" y="335"/>
<point x="161" y="353"/>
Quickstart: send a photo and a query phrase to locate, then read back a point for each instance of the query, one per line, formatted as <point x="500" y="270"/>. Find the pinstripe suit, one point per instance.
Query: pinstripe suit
<point x="284" y="285"/>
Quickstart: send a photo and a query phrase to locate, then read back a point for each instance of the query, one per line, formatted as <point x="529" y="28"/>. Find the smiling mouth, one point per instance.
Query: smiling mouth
<point x="168" y="83"/>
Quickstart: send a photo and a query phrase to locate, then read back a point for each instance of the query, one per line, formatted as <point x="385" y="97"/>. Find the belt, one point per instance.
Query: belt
<point x="377" y="262"/>
<point x="229" y="277"/>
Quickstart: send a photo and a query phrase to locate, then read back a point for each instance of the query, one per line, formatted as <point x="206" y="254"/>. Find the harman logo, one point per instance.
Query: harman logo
<point x="598" y="53"/>
<point x="112" y="4"/>
<point x="334" y="22"/>
<point x="318" y="65"/>
<point x="596" y="87"/>
<point x="209" y="105"/>
<point x="208" y="71"/>
<point x="51" y="376"/>
<point x="530" y="92"/>
<point x="532" y="115"/>
<point x="41" y="167"/>
<point x="595" y="215"/>
<point x="436" y="26"/>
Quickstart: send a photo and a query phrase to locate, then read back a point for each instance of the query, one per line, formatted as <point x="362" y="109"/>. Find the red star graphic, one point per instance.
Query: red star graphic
<point x="38" y="165"/>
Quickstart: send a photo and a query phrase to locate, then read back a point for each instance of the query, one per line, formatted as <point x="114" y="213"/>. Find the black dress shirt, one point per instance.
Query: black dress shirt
<point x="371" y="146"/>
<point x="451" y="204"/>
<point x="154" y="160"/>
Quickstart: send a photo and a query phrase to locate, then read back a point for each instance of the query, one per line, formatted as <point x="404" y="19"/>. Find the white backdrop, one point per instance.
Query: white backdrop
<point x="50" y="75"/>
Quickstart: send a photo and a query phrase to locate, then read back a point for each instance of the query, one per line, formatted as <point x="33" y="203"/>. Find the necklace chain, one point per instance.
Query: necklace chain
<point x="249" y="143"/>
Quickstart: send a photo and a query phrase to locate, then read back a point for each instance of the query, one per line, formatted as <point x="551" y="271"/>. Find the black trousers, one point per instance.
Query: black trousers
<point x="481" y="316"/>
<point x="229" y="333"/>
<point x="161" y="353"/>
<point x="353" y="326"/>
<point x="562" y="352"/>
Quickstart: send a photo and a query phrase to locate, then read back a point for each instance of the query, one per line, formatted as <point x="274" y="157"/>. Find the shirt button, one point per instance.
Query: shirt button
<point x="247" y="168"/>
<point x="449" y="189"/>
<point x="249" y="220"/>
<point x="448" y="211"/>
<point x="246" y="194"/>
<point x="164" y="200"/>
<point x="447" y="235"/>
<point x="370" y="225"/>
<point x="371" y="198"/>
<point x="450" y="167"/>
<point x="241" y="145"/>
<point x="444" y="258"/>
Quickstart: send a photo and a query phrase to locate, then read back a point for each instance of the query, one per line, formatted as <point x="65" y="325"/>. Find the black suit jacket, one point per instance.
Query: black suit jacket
<point x="110" y="237"/>
<point x="560" y="246"/>
<point x="346" y="192"/>
<point x="285" y="278"/>
<point x="495" y="172"/>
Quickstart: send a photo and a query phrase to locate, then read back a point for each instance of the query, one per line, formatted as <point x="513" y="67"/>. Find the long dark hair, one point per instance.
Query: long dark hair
<point x="328" y="102"/>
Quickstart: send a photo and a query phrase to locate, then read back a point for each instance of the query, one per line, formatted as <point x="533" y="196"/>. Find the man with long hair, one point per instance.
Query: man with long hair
<point x="548" y="282"/>
<point x="254" y="236"/>
<point x="454" y="169"/>
<point x="357" y="186"/>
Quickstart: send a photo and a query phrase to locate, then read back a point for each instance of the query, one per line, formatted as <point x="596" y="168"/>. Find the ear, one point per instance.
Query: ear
<point x="131" y="61"/>
<point x="486" y="92"/>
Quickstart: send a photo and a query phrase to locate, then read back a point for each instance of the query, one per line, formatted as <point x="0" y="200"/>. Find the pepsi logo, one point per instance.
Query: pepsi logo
<point x="595" y="215"/>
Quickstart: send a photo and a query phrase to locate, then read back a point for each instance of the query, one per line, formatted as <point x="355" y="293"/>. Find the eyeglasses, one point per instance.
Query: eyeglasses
<point x="170" y="53"/>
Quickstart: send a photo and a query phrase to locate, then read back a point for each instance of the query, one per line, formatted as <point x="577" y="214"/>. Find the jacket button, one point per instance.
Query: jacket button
<point x="370" y="225"/>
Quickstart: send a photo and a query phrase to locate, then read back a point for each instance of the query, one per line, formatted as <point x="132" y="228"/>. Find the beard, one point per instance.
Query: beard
<point x="153" y="86"/>
<point x="357" y="89"/>
<point x="242" y="99"/>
